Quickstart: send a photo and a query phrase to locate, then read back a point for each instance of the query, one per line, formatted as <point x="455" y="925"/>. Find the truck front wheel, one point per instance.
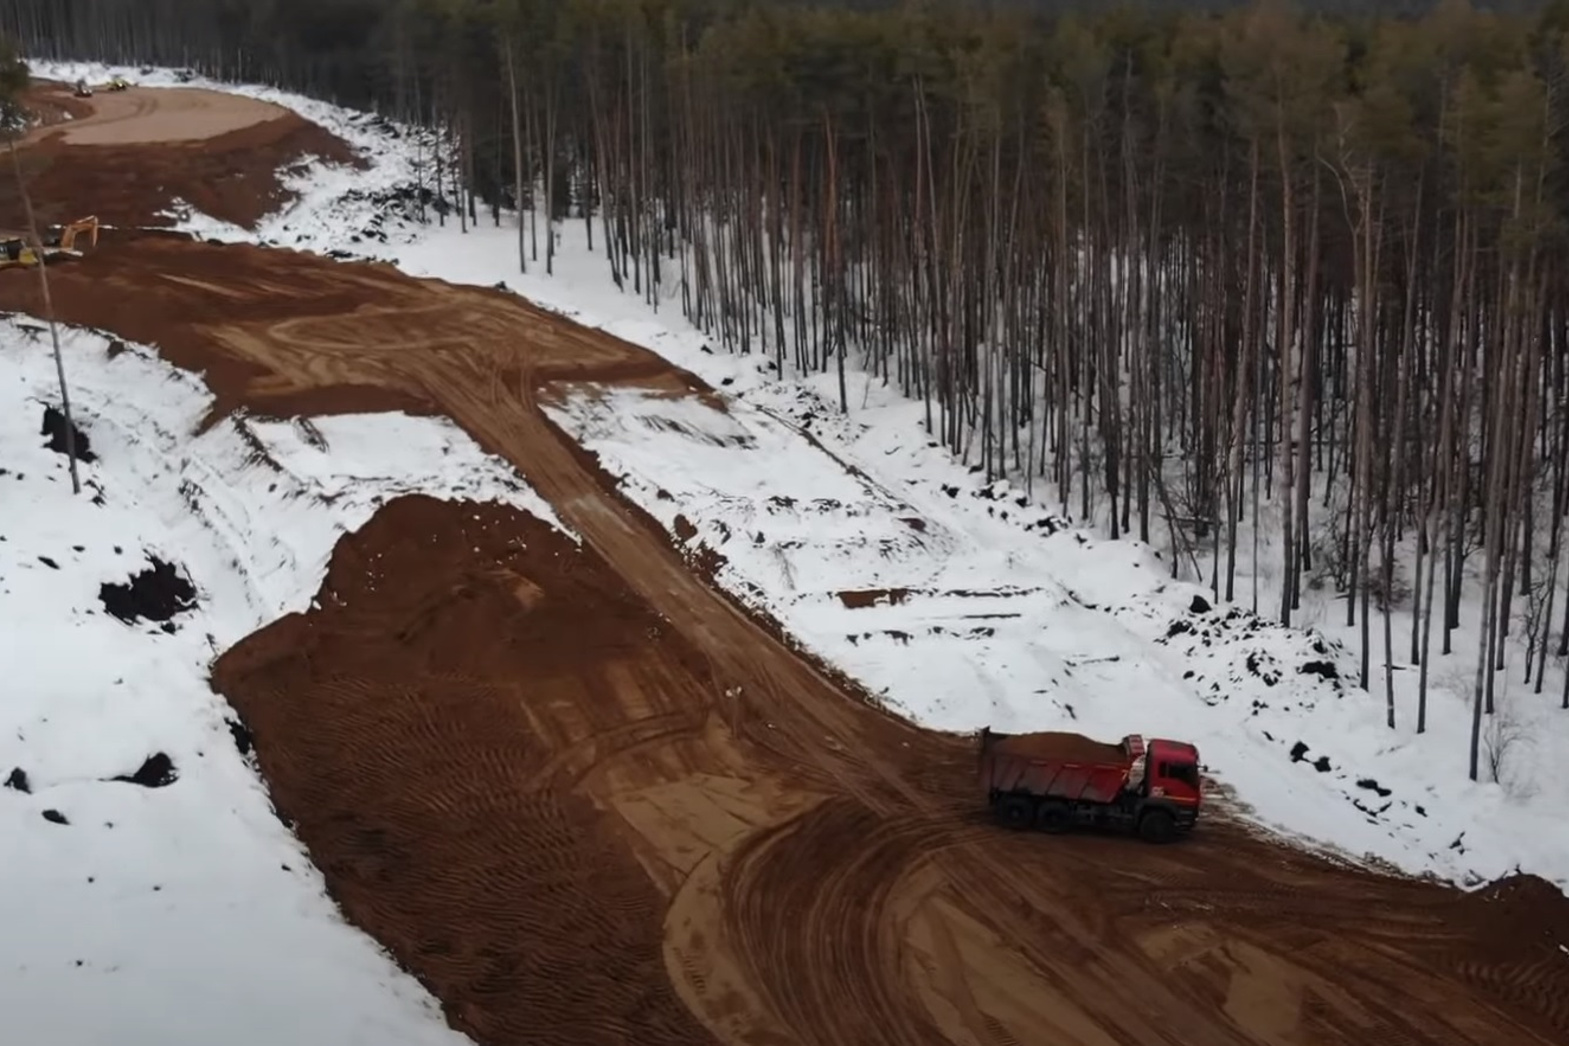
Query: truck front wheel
<point x="1015" y="811"/>
<point x="1157" y="826"/>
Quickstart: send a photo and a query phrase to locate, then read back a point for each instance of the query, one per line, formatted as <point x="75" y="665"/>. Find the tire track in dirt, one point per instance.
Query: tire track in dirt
<point x="506" y="753"/>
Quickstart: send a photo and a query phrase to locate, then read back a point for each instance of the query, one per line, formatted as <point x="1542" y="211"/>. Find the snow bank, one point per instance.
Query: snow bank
<point x="181" y="908"/>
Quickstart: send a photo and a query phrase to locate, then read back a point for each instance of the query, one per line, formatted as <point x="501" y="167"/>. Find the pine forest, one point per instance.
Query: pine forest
<point x="1204" y="275"/>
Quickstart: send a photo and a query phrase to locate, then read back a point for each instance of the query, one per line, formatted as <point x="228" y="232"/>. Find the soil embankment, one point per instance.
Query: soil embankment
<point x="451" y="679"/>
<point x="127" y="156"/>
<point x="589" y="800"/>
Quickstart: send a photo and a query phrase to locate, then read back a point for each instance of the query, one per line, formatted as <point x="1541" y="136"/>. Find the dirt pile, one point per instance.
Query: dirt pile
<point x="129" y="171"/>
<point x="1069" y="747"/>
<point x="407" y="727"/>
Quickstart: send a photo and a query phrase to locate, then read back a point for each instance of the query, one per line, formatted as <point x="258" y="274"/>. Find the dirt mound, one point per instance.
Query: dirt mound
<point x="1061" y="745"/>
<point x="131" y="175"/>
<point x="410" y="728"/>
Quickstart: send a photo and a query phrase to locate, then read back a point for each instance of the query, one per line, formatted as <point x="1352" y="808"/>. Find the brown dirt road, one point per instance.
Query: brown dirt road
<point x="589" y="800"/>
<point x="155" y="115"/>
<point x="124" y="156"/>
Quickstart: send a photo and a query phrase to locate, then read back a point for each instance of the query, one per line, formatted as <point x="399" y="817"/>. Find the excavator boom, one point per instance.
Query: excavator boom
<point x="69" y="234"/>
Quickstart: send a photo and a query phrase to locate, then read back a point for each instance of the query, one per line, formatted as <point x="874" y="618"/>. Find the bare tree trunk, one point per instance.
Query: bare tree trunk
<point x="54" y="332"/>
<point x="509" y="50"/>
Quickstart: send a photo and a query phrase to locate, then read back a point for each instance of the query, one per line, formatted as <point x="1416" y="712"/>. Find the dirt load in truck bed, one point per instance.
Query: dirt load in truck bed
<point x="588" y="799"/>
<point x="1059" y="745"/>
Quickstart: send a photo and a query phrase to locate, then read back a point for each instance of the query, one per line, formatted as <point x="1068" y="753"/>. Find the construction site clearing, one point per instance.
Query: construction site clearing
<point x="587" y="798"/>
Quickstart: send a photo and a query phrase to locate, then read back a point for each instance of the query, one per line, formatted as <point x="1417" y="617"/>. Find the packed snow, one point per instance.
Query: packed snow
<point x="959" y="603"/>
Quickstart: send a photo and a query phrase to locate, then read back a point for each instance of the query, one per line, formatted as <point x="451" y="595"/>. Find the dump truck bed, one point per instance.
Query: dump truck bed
<point x="1059" y="765"/>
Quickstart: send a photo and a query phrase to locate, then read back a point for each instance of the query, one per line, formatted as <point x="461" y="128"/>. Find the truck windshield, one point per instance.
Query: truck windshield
<point x="1187" y="773"/>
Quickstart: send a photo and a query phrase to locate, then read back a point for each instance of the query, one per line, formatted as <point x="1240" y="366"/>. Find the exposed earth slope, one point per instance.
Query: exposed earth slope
<point x="587" y="798"/>
<point x="128" y="158"/>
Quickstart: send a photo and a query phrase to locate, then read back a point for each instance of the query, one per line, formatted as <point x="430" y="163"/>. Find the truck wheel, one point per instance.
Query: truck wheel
<point x="1157" y="826"/>
<point x="1015" y="811"/>
<point x="1053" y="817"/>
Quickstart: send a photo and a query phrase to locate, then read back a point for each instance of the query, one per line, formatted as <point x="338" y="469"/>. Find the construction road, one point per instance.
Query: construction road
<point x="587" y="799"/>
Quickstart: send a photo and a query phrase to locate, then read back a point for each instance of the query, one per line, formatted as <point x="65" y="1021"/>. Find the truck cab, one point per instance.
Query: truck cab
<point x="1171" y="778"/>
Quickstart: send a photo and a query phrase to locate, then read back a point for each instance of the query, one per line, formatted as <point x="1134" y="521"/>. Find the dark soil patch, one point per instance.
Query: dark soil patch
<point x="1322" y="669"/>
<point x="243" y="743"/>
<point x="55" y="817"/>
<point x="57" y="430"/>
<point x="157" y="771"/>
<point x="17" y="781"/>
<point x="156" y="594"/>
<point x="873" y="597"/>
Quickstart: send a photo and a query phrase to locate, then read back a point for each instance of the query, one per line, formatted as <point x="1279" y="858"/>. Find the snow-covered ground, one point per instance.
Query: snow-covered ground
<point x="957" y="602"/>
<point x="177" y="910"/>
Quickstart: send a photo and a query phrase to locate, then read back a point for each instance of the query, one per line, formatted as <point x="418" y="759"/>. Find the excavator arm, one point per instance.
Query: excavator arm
<point x="69" y="234"/>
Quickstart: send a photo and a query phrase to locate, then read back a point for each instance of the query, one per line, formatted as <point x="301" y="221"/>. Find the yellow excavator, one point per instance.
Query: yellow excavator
<point x="118" y="83"/>
<point x="16" y="252"/>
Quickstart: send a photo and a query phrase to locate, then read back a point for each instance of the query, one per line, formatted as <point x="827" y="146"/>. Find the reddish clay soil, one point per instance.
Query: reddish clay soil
<point x="1051" y="744"/>
<point x="125" y="157"/>
<point x="589" y="800"/>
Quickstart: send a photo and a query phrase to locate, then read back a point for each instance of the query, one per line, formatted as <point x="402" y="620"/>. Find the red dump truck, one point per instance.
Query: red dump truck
<point x="1056" y="781"/>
